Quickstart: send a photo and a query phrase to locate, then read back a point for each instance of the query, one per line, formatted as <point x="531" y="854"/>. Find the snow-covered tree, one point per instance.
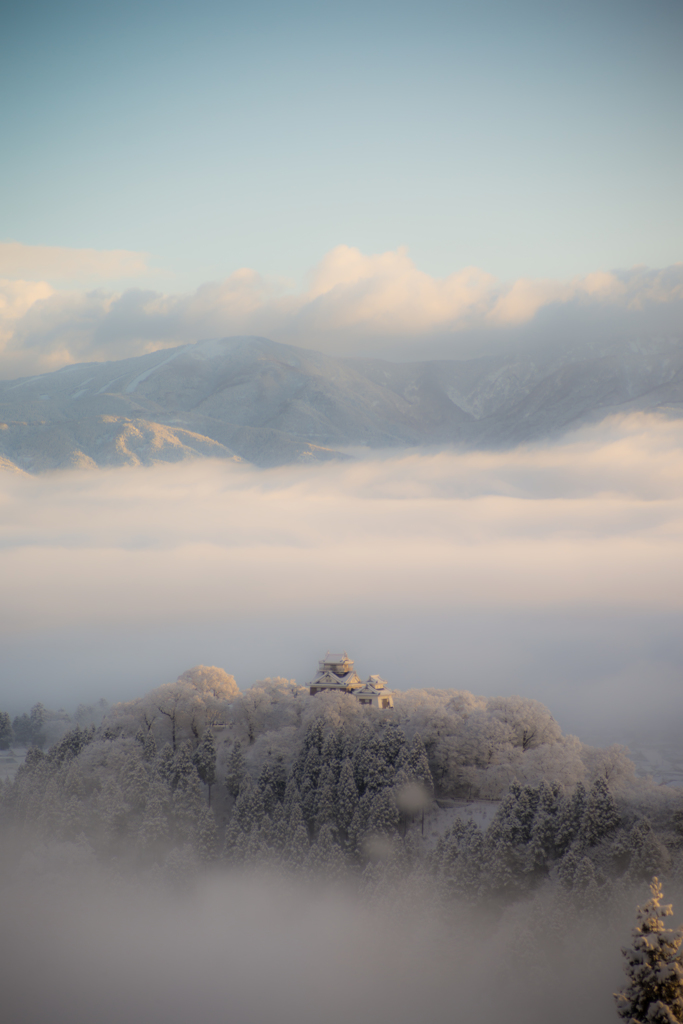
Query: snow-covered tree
<point x="206" y="836"/>
<point x="235" y="769"/>
<point x="347" y="796"/>
<point x="654" y="967"/>
<point x="204" y="759"/>
<point x="570" y="818"/>
<point x="325" y="857"/>
<point x="601" y="815"/>
<point x="326" y="798"/>
<point x="134" y="781"/>
<point x="530" y="723"/>
<point x="188" y="806"/>
<point x="6" y="735"/>
<point x="249" y="808"/>
<point x="273" y="774"/>
<point x="164" y="763"/>
<point x="211" y="681"/>
<point x="458" y="860"/>
<point x="153" y="831"/>
<point x="418" y="764"/>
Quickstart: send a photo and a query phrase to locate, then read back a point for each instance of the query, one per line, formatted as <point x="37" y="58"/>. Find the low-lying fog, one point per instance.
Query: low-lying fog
<point x="551" y="571"/>
<point x="258" y="948"/>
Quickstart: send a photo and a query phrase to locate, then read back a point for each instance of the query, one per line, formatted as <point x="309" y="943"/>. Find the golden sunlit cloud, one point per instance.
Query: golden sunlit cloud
<point x="351" y="304"/>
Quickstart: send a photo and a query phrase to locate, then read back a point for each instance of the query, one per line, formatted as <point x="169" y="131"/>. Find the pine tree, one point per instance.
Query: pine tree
<point x="188" y="805"/>
<point x="205" y="761"/>
<point x="248" y="810"/>
<point x="585" y="885"/>
<point x="235" y="769"/>
<point x="21" y="728"/>
<point x="292" y="796"/>
<point x="331" y="753"/>
<point x="646" y="852"/>
<point x="152" y="835"/>
<point x="325" y="858"/>
<point x="71" y="744"/>
<point x="37" y="720"/>
<point x="379" y="772"/>
<point x="545" y="826"/>
<point x="297" y="847"/>
<point x="313" y="740"/>
<point x="326" y="798"/>
<point x="601" y="815"/>
<point x="113" y="813"/>
<point x="269" y="800"/>
<point x="347" y="796"/>
<point x="149" y="747"/>
<point x="654" y="967"/>
<point x="206" y="836"/>
<point x="5" y="731"/>
<point x="73" y="818"/>
<point x="383" y="816"/>
<point x="393" y="742"/>
<point x="571" y="817"/>
<point x="458" y="859"/>
<point x="134" y="781"/>
<point x="164" y="763"/>
<point x="418" y="765"/>
<point x="507" y="855"/>
<point x="183" y="767"/>
<point x="359" y="824"/>
<point x="310" y="776"/>
<point x="273" y="774"/>
<point x="278" y="828"/>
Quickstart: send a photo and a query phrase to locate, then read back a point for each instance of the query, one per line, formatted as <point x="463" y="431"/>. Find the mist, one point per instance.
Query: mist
<point x="257" y="947"/>
<point x="550" y="571"/>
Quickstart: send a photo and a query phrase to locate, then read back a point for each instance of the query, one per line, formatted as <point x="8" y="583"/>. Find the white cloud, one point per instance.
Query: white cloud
<point x="352" y="304"/>
<point x="551" y="570"/>
<point x="595" y="521"/>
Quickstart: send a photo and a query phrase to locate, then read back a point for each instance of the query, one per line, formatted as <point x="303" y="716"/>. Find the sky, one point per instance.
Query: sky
<point x="368" y="179"/>
<point x="530" y="139"/>
<point x="365" y="179"/>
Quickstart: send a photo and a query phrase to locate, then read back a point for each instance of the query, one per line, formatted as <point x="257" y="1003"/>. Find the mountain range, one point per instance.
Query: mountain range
<point x="268" y="403"/>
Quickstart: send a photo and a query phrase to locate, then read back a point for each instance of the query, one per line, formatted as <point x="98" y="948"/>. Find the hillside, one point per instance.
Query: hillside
<point x="272" y="404"/>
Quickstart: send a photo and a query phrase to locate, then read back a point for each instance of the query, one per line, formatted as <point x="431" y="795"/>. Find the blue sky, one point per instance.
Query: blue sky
<point x="528" y="139"/>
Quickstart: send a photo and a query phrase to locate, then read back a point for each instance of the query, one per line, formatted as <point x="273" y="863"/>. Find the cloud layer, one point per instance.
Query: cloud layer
<point x="351" y="304"/>
<point x="523" y="562"/>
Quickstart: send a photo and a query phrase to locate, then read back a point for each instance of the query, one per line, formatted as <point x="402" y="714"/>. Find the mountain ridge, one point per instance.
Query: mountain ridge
<point x="265" y="402"/>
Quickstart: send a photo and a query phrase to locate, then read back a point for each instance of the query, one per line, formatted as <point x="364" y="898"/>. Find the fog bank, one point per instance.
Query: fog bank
<point x="551" y="570"/>
<point x="252" y="948"/>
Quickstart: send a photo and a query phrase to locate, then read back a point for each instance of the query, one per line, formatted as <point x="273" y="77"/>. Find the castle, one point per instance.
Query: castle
<point x="336" y="672"/>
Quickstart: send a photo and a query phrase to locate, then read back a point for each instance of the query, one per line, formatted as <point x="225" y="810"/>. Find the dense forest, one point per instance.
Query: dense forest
<point x="197" y="773"/>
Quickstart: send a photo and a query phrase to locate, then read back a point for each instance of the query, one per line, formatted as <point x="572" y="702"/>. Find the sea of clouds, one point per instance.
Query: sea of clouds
<point x="551" y="571"/>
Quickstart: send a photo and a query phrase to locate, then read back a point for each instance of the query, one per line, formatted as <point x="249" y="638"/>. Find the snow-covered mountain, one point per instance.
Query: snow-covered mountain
<point x="270" y="404"/>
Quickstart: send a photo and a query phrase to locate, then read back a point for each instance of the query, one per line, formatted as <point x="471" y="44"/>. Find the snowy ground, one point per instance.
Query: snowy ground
<point x="446" y="811"/>
<point x="662" y="759"/>
<point x="10" y="761"/>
